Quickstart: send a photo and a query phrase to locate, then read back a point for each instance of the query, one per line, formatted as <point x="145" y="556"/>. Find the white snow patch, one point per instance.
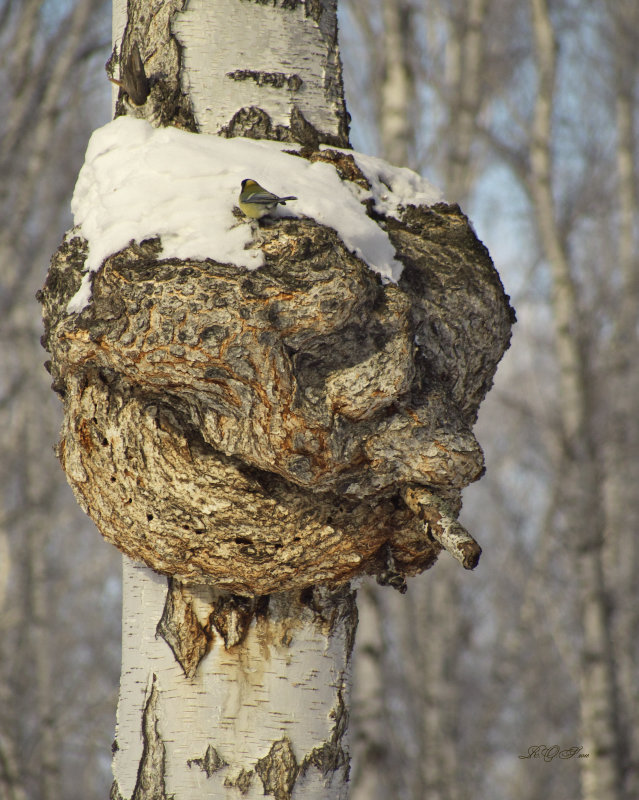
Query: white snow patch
<point x="139" y="182"/>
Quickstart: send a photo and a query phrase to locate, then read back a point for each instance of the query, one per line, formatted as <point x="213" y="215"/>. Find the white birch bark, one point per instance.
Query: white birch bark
<point x="251" y="54"/>
<point x="296" y="50"/>
<point x="255" y="718"/>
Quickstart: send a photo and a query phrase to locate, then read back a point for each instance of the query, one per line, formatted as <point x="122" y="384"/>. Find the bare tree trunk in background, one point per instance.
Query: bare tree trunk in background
<point x="370" y="744"/>
<point x="433" y="637"/>
<point x="622" y="444"/>
<point x="428" y="622"/>
<point x="11" y="782"/>
<point x="397" y="113"/>
<point x="57" y="80"/>
<point x="463" y="81"/>
<point x="581" y="468"/>
<point x="376" y="754"/>
<point x="49" y="750"/>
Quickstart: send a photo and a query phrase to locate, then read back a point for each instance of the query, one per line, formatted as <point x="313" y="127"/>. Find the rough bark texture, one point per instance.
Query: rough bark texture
<point x="148" y="33"/>
<point x="253" y="430"/>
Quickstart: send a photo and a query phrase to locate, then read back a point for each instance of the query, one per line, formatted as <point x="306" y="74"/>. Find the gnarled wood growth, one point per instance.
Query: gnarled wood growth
<point x="275" y="429"/>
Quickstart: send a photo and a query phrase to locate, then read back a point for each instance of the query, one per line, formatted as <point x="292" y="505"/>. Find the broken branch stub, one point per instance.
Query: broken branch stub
<point x="258" y="431"/>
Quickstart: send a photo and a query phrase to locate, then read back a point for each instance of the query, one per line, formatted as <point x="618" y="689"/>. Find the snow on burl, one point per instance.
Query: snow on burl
<point x="139" y="182"/>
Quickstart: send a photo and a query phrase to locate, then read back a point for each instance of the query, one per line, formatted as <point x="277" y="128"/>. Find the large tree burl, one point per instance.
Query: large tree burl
<point x="257" y="430"/>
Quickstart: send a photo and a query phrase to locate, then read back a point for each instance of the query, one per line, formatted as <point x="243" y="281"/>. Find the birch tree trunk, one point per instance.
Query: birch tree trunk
<point x="262" y="716"/>
<point x="309" y="425"/>
<point x="266" y="713"/>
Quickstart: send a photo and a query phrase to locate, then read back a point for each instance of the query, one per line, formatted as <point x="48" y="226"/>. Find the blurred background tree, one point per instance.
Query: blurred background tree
<point x="59" y="584"/>
<point x="526" y="114"/>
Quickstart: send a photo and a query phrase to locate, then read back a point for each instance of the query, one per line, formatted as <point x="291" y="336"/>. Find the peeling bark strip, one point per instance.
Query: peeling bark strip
<point x="251" y="430"/>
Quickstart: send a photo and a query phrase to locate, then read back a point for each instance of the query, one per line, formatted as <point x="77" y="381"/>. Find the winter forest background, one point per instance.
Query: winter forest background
<point x="524" y="112"/>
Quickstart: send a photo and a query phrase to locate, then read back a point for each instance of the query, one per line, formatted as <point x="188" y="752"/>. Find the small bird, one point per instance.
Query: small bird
<point x="256" y="202"/>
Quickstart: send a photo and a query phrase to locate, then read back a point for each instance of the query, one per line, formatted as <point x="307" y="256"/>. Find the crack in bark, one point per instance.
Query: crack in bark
<point x="150" y="778"/>
<point x="231" y="616"/>
<point x="331" y="756"/>
<point x="115" y="793"/>
<point x="241" y="782"/>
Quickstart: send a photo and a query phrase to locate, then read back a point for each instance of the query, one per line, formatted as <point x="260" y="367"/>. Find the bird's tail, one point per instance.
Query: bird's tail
<point x="283" y="200"/>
